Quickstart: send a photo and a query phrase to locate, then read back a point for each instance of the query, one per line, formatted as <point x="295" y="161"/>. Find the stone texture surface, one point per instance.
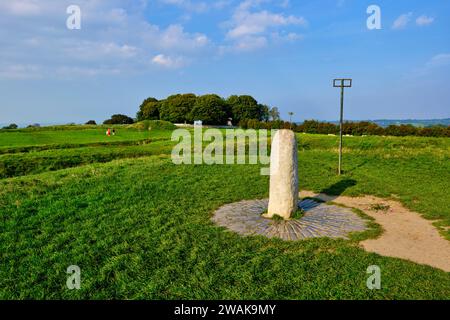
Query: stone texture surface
<point x="319" y="220"/>
<point x="283" y="195"/>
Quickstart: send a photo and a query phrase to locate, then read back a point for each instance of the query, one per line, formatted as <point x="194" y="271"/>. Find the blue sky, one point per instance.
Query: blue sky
<point x="284" y="53"/>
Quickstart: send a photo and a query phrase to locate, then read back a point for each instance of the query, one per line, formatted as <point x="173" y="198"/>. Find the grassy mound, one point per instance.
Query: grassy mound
<point x="152" y="125"/>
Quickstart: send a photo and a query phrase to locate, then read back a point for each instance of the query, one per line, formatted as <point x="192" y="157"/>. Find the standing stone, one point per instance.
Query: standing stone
<point x="283" y="195"/>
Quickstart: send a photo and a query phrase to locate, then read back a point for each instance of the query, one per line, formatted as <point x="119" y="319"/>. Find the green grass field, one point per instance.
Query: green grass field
<point x="41" y="137"/>
<point x="34" y="140"/>
<point x="139" y="226"/>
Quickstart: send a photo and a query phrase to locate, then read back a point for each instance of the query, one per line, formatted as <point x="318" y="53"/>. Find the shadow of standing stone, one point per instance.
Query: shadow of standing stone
<point x="320" y="220"/>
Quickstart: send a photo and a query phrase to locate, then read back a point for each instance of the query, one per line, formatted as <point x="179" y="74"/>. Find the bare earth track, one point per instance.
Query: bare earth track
<point x="406" y="234"/>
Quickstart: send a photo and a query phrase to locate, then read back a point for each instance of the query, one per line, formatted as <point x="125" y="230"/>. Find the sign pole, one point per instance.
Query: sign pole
<point x="341" y="129"/>
<point x="341" y="83"/>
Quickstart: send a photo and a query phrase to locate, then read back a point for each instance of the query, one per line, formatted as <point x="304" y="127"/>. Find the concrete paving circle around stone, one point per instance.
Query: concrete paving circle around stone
<point x="319" y="220"/>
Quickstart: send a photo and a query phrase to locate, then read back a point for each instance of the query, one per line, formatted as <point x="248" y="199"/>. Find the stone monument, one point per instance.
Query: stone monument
<point x="317" y="220"/>
<point x="283" y="192"/>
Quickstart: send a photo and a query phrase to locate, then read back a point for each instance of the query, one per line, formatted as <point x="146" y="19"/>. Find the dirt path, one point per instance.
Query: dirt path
<point x="406" y="235"/>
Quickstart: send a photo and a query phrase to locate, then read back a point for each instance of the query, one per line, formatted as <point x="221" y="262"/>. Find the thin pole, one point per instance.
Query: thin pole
<point x="341" y="129"/>
<point x="290" y="120"/>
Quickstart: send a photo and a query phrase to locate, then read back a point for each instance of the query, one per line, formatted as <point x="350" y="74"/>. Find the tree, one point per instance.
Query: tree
<point x="91" y="122"/>
<point x="274" y="114"/>
<point x="243" y="124"/>
<point x="177" y="108"/>
<point x="149" y="99"/>
<point x="211" y="109"/>
<point x="119" y="119"/>
<point x="12" y="126"/>
<point x="265" y="112"/>
<point x="148" y="110"/>
<point x="244" y="108"/>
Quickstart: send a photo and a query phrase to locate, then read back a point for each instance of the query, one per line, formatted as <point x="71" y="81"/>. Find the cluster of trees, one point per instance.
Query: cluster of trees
<point x="119" y="119"/>
<point x="255" y="124"/>
<point x="12" y="126"/>
<point x="351" y="128"/>
<point x="210" y="108"/>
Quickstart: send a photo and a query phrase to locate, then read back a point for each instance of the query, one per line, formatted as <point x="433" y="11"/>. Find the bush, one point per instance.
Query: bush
<point x="243" y="124"/>
<point x="119" y="119"/>
<point x="91" y="122"/>
<point x="153" y="125"/>
<point x="12" y="126"/>
<point x="350" y="128"/>
<point x="254" y="124"/>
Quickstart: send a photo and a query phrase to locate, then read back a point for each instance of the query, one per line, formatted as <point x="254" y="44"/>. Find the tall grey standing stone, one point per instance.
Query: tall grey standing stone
<point x="283" y="195"/>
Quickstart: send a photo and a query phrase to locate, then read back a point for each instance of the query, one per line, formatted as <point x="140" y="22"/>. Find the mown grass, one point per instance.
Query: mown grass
<point x="415" y="171"/>
<point x="9" y="140"/>
<point x="141" y="229"/>
<point x="13" y="165"/>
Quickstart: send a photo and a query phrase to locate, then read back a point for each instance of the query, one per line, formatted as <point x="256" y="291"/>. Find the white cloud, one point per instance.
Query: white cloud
<point x="69" y="72"/>
<point x="289" y="37"/>
<point x="424" y="20"/>
<point x="438" y="63"/>
<point x="20" y="71"/>
<point x="292" y="36"/>
<point x="247" y="23"/>
<point x="117" y="15"/>
<point x="439" y="60"/>
<point x="249" y="29"/>
<point x="246" y="44"/>
<point x="402" y="21"/>
<point x="90" y="50"/>
<point x="168" y="62"/>
<point x="21" y="7"/>
<point x="285" y="3"/>
<point x="115" y="38"/>
<point x="197" y="6"/>
<point x="188" y="5"/>
<point x="174" y="37"/>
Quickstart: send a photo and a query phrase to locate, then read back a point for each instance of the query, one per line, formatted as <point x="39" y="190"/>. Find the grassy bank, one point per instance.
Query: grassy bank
<point x="26" y="139"/>
<point x="140" y="227"/>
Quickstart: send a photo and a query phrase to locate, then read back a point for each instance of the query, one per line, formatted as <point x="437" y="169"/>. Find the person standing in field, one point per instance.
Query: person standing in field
<point x="114" y="132"/>
<point x="108" y="132"/>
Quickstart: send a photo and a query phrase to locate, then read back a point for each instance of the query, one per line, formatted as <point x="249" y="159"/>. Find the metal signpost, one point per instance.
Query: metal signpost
<point x="341" y="83"/>
<point x="290" y="119"/>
